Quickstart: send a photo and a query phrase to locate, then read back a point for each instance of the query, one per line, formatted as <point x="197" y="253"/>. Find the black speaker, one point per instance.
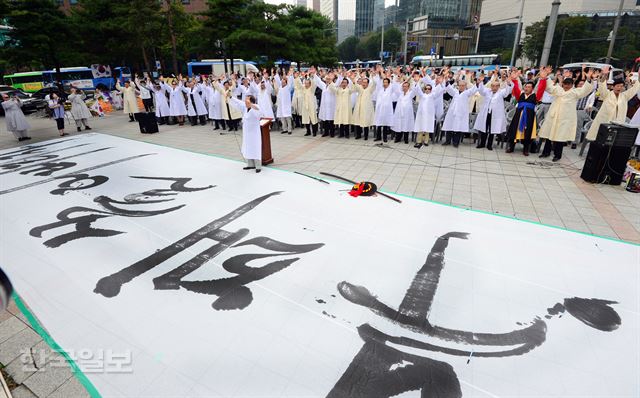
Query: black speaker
<point x="615" y="134"/>
<point x="147" y="122"/>
<point x="605" y="163"/>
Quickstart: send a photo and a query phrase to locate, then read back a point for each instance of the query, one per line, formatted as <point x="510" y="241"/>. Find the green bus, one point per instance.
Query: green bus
<point x="26" y="81"/>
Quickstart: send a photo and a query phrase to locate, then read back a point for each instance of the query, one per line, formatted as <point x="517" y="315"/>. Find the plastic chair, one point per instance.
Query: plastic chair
<point x="585" y="128"/>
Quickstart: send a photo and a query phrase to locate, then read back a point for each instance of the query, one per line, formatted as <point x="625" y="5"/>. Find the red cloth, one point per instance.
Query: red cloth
<point x="357" y="190"/>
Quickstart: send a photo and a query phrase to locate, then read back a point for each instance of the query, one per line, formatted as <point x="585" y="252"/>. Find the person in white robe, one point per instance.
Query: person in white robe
<point x="129" y="99"/>
<point x="403" y="116"/>
<point x="383" y="115"/>
<point x="342" y="114"/>
<point x="327" y="109"/>
<point x="232" y="116"/>
<point x="426" y="116"/>
<point x="177" y="107"/>
<point x="456" y="121"/>
<point x="308" y="103"/>
<point x="196" y="110"/>
<point x="263" y="91"/>
<point x="14" y="118"/>
<point x="283" y="101"/>
<point x="635" y="121"/>
<point x="251" y="135"/>
<point x="560" y="123"/>
<point x="214" y="103"/>
<point x="79" y="109"/>
<point x="614" y="104"/>
<point x="162" y="104"/>
<point x="492" y="118"/>
<point x="363" y="110"/>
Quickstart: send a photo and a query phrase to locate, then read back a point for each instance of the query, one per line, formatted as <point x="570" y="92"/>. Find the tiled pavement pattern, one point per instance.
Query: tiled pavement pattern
<point x="492" y="181"/>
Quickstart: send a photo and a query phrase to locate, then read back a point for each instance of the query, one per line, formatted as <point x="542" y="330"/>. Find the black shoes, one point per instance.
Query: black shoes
<point x="258" y="170"/>
<point x="555" y="159"/>
<point x="417" y="146"/>
<point x="79" y="129"/>
<point x="248" y="168"/>
<point x="87" y="128"/>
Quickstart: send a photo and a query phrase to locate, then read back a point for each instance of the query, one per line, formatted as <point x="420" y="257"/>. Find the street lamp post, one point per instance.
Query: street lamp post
<point x="616" y="25"/>
<point x="382" y="38"/>
<point x="516" y="40"/>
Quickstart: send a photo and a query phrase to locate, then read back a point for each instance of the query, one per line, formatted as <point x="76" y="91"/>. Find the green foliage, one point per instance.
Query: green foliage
<point x="39" y="36"/>
<point x="347" y="49"/>
<point x="368" y="46"/>
<point x="137" y="32"/>
<point x="574" y="48"/>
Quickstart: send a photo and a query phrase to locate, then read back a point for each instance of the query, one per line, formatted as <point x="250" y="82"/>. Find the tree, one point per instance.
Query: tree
<point x="347" y="49"/>
<point x="393" y="40"/>
<point x="39" y="36"/>
<point x="582" y="41"/>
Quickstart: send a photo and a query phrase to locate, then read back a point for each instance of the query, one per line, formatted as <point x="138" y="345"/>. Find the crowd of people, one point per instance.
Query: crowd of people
<point x="540" y="110"/>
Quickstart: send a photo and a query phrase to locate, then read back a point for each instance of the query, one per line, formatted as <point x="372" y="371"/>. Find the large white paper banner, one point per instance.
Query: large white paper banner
<point x="166" y="273"/>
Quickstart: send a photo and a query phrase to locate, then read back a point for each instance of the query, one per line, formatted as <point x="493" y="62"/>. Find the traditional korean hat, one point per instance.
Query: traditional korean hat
<point x="365" y="188"/>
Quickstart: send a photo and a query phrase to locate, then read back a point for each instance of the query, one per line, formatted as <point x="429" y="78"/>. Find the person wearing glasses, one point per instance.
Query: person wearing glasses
<point x="426" y="115"/>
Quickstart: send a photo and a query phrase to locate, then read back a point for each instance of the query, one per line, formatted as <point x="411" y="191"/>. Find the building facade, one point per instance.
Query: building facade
<point x="329" y="8"/>
<point x="369" y="16"/>
<point x="499" y="18"/>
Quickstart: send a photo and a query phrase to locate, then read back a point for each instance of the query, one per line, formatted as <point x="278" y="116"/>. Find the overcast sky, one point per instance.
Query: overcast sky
<point x="346" y="8"/>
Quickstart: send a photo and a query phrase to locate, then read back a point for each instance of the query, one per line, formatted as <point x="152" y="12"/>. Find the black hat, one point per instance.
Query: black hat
<point x="618" y="81"/>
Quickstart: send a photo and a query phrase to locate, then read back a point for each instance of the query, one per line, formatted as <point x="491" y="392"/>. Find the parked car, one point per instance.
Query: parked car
<point x="8" y="88"/>
<point x="29" y="104"/>
<point x="44" y="92"/>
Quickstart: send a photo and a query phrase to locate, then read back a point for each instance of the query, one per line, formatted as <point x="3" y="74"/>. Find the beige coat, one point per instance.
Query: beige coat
<point x="342" y="115"/>
<point x="308" y="102"/>
<point x="363" y="112"/>
<point x="128" y="98"/>
<point x="613" y="109"/>
<point x="561" y="120"/>
<point x="229" y="112"/>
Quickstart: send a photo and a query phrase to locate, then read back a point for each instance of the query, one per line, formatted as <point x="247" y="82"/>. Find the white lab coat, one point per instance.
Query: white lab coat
<point x="438" y="101"/>
<point x="283" y="97"/>
<point x="196" y="105"/>
<point x="264" y="98"/>
<point x="384" y="97"/>
<point x="162" y="105"/>
<point x="251" y="136"/>
<point x="403" y="117"/>
<point x="214" y="102"/>
<point x="176" y="100"/>
<point x="426" y="115"/>
<point x="328" y="100"/>
<point x="457" y="117"/>
<point x="495" y="102"/>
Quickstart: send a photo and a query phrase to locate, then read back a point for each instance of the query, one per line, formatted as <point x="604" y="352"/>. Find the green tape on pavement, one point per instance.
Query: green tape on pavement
<point x="82" y="378"/>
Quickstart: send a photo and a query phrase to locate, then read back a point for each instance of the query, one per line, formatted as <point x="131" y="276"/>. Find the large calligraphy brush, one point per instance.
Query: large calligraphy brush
<point x="353" y="182"/>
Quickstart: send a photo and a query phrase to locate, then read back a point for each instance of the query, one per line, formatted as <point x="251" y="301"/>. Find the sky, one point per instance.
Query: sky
<point x="346" y="8"/>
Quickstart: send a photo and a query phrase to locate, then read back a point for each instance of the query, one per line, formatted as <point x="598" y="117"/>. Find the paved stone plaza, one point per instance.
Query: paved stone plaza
<point x="490" y="181"/>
